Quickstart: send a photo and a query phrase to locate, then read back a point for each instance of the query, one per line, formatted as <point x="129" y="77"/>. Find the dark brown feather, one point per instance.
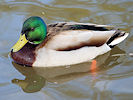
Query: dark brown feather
<point x="26" y="55"/>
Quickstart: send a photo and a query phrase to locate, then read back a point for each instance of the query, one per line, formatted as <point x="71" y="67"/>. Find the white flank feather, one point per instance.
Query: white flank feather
<point x="47" y="57"/>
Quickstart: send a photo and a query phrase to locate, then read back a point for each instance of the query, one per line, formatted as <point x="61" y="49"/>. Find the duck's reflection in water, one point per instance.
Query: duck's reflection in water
<point x="36" y="78"/>
<point x="32" y="82"/>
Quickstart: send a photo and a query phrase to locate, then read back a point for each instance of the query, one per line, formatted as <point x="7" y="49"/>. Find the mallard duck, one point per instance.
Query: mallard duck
<point x="64" y="43"/>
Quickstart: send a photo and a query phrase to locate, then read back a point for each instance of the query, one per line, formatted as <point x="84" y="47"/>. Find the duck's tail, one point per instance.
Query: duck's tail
<point x="118" y="37"/>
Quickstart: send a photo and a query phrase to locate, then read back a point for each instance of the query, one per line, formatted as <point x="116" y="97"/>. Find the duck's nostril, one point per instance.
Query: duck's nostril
<point x="11" y="50"/>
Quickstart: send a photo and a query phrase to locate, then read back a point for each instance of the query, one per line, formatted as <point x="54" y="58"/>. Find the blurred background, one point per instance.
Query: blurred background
<point x="111" y="80"/>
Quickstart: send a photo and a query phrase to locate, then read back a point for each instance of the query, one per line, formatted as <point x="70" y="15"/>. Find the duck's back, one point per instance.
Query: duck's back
<point x="67" y="36"/>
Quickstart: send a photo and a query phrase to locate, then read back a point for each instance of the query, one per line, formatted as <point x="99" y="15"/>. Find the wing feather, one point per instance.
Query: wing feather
<point x="66" y="36"/>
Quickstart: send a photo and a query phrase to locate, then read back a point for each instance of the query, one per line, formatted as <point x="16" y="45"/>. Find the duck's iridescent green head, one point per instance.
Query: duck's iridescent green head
<point x="34" y="31"/>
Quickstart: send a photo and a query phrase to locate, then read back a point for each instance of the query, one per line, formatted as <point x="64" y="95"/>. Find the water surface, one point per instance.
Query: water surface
<point x="111" y="80"/>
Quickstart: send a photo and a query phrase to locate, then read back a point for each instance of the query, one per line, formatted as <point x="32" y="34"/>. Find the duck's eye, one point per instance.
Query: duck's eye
<point x="32" y="29"/>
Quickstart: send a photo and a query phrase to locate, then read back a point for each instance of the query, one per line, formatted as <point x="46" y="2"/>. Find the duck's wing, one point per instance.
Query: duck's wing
<point x="70" y="36"/>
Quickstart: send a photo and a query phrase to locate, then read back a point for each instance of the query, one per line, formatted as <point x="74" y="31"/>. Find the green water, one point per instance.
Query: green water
<point x="113" y="78"/>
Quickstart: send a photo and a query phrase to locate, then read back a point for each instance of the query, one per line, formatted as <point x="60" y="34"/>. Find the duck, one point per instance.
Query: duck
<point x="63" y="43"/>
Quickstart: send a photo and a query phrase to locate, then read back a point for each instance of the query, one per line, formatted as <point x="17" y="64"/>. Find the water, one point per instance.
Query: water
<point x="111" y="80"/>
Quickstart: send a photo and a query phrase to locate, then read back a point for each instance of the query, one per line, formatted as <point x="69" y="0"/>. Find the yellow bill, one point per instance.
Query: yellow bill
<point x="21" y="42"/>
